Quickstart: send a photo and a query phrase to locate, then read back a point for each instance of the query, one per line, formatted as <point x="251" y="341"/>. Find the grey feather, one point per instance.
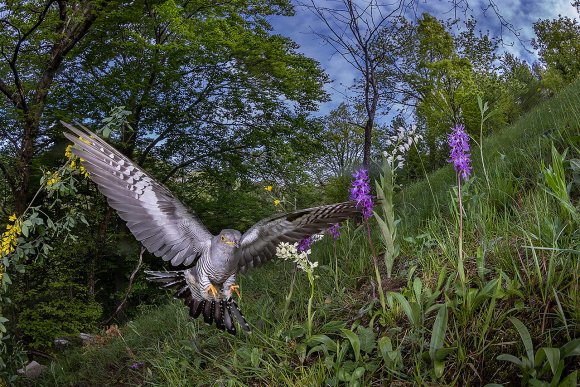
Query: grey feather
<point x="165" y="227"/>
<point x="258" y="244"/>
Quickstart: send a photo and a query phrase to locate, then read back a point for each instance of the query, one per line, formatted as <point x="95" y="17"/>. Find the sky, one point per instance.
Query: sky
<point x="521" y="14"/>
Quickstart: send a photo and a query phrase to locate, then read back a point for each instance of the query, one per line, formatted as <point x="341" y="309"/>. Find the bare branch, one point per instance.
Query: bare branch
<point x="129" y="287"/>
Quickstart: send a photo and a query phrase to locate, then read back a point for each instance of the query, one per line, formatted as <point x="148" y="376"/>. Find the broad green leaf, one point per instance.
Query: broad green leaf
<point x="324" y="340"/>
<point x="571" y="348"/>
<point x="438" y="368"/>
<point x="256" y="357"/>
<point x="417" y="287"/>
<point x="358" y="373"/>
<point x="570" y="380"/>
<point x="367" y="339"/>
<point x="438" y="333"/>
<point x="526" y="338"/>
<point x="442" y="353"/>
<point x="510" y="358"/>
<point x="406" y="307"/>
<point x="553" y="356"/>
<point x="354" y="342"/>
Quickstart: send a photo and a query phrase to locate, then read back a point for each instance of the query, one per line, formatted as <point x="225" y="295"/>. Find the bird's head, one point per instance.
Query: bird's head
<point x="229" y="238"/>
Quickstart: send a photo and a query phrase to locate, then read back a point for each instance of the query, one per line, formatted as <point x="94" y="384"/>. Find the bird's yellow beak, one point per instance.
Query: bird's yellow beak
<point x="231" y="243"/>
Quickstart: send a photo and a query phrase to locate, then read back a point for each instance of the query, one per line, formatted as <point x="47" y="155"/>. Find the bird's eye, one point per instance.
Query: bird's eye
<point x="223" y="238"/>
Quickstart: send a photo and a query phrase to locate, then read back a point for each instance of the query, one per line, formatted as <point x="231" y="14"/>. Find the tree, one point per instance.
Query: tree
<point x="353" y="30"/>
<point x="440" y="74"/>
<point x="204" y="84"/>
<point x="558" y="45"/>
<point x="35" y="39"/>
<point x="341" y="141"/>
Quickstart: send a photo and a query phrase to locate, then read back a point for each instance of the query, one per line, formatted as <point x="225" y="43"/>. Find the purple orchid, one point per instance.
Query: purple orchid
<point x="334" y="230"/>
<point x="304" y="244"/>
<point x="361" y="193"/>
<point x="459" y="143"/>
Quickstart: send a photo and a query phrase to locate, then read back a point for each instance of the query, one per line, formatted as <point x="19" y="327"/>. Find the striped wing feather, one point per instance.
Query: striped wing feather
<point x="258" y="244"/>
<point x="156" y="218"/>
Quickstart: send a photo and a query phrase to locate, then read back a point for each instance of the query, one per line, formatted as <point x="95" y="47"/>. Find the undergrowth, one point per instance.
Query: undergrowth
<point x="514" y="320"/>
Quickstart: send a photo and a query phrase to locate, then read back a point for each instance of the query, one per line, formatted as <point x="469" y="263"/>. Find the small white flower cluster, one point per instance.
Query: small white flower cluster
<point x="290" y="251"/>
<point x="401" y="143"/>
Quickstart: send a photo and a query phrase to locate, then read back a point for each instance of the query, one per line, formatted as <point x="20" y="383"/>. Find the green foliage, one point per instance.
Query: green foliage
<point x="535" y="367"/>
<point x="55" y="309"/>
<point x="558" y="44"/>
<point x="386" y="221"/>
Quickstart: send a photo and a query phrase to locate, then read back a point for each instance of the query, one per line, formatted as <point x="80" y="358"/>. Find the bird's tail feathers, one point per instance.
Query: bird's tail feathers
<point x="222" y="312"/>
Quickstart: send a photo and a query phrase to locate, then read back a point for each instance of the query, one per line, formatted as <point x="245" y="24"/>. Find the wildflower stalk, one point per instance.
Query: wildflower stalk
<point x="361" y="193"/>
<point x="290" y="291"/>
<point x="460" y="268"/>
<point x="459" y="144"/>
<point x="335" y="265"/>
<point x="310" y="300"/>
<point x="334" y="231"/>
<point x="377" y="272"/>
<point x="290" y="251"/>
<point x="483" y="108"/>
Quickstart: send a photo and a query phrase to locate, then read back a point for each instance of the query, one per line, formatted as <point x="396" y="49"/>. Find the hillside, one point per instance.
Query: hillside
<point x="521" y="249"/>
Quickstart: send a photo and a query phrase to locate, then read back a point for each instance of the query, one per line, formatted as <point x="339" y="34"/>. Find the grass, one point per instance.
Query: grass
<point x="521" y="259"/>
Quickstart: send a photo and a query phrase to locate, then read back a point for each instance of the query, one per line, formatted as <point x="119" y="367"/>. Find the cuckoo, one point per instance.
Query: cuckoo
<point x="169" y="231"/>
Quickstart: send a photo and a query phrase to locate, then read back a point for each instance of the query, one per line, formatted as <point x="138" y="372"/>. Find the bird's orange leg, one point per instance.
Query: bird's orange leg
<point x="234" y="288"/>
<point x="212" y="290"/>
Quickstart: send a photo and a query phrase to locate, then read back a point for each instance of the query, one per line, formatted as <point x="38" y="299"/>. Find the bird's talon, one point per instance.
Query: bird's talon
<point x="212" y="290"/>
<point x="234" y="288"/>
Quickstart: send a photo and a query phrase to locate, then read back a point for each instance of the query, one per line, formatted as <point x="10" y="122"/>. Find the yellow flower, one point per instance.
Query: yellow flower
<point x="10" y="236"/>
<point x="68" y="152"/>
<point x="54" y="178"/>
<point x="84" y="172"/>
<point x="268" y="188"/>
<point x="276" y="202"/>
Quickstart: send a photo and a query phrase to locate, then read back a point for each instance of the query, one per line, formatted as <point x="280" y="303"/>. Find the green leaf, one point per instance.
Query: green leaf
<point x="571" y="348"/>
<point x="553" y="356"/>
<point x="570" y="380"/>
<point x="438" y="368"/>
<point x="256" y="357"/>
<point x="406" y="307"/>
<point x="324" y="340"/>
<point x="354" y="342"/>
<point x="389" y="355"/>
<point x="526" y="338"/>
<point x="438" y="333"/>
<point x="510" y="358"/>
<point x="367" y="339"/>
<point x="417" y="287"/>
<point x="24" y="229"/>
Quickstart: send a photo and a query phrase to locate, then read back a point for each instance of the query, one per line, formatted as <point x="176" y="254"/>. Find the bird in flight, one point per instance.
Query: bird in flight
<point x="169" y="231"/>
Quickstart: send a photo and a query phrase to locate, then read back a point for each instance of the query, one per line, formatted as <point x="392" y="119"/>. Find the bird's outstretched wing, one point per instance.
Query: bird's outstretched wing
<point x="153" y="214"/>
<point x="258" y="244"/>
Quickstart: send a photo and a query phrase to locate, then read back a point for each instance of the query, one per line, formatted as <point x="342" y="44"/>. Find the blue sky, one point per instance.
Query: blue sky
<point x="519" y="13"/>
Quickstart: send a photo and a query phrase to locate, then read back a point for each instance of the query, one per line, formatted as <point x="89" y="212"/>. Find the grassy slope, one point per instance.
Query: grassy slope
<point x="539" y="286"/>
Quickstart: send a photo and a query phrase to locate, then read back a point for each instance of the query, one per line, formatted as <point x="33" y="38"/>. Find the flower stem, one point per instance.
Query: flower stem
<point x="377" y="273"/>
<point x="460" y="261"/>
<point x="335" y="265"/>
<point x="289" y="295"/>
<point x="481" y="151"/>
<point x="309" y="326"/>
